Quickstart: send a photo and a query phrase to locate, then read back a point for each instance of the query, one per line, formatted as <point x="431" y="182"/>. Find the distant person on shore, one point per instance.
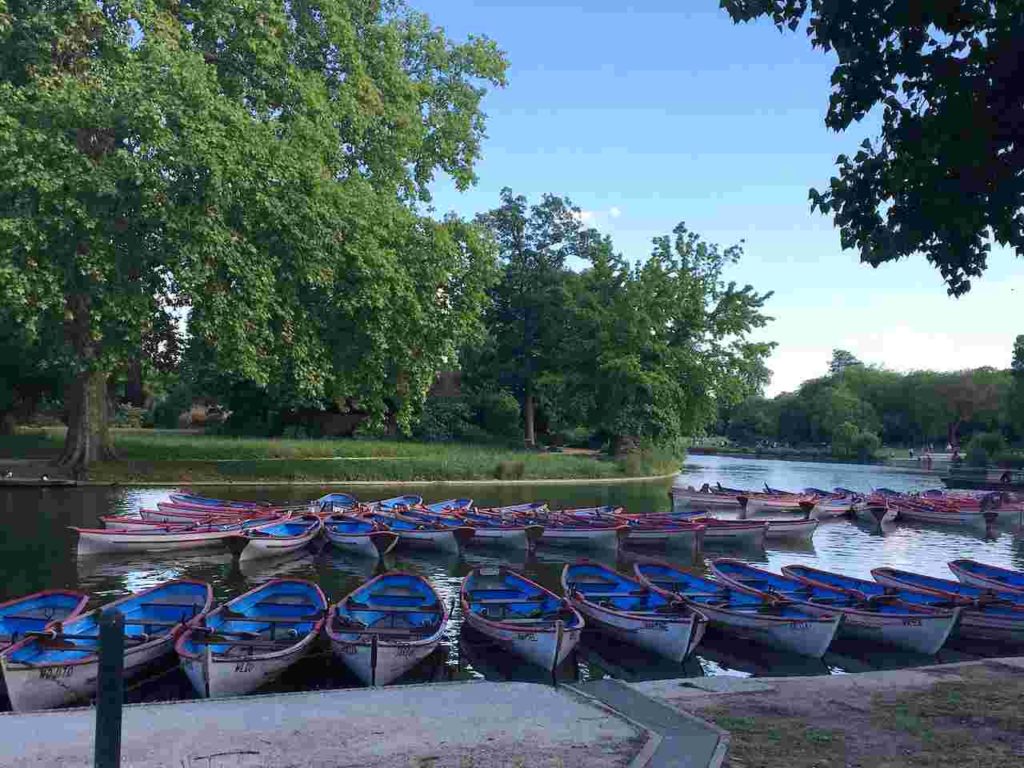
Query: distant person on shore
<point x="928" y="460"/>
<point x="911" y="453"/>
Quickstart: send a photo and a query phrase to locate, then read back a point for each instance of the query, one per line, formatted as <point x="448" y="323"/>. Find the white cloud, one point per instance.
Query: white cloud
<point x="598" y="218"/>
<point x="614" y="212"/>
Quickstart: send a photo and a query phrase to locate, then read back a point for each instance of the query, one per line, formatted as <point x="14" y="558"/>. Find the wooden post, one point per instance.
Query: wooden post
<point x="110" y="693"/>
<point x="373" y="660"/>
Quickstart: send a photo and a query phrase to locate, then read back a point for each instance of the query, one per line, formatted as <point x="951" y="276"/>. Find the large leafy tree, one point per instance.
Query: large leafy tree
<point x="253" y="166"/>
<point x="1016" y="398"/>
<point x="654" y="349"/>
<point x="944" y="178"/>
<point x="526" y="317"/>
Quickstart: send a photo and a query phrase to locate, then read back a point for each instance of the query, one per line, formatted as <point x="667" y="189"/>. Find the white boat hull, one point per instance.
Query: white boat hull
<point x="919" y="633"/>
<point x="806" y="638"/>
<point x="669" y="538"/>
<point x="394" y="659"/>
<point x="698" y="500"/>
<point x="752" y="536"/>
<point x="261" y="548"/>
<point x="602" y="538"/>
<point x="539" y="646"/>
<point x="796" y="529"/>
<point x="97" y="542"/>
<point x="672" y="638"/>
<point x="517" y="538"/>
<point x="443" y="540"/>
<point x="356" y="543"/>
<point x="214" y="677"/>
<point x="46" y="686"/>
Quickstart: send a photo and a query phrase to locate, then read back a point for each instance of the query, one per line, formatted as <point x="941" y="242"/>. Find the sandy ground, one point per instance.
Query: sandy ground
<point x="462" y="725"/>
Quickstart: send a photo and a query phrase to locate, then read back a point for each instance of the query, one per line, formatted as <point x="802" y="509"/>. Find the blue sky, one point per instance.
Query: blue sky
<point x="646" y="115"/>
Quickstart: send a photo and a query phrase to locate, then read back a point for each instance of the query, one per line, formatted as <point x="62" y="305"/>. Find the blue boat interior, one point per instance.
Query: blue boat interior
<point x="610" y="589"/>
<point x="337" y="500"/>
<point x="989" y="600"/>
<point x="502" y="595"/>
<point x="274" y="616"/>
<point x="349" y="525"/>
<point x="445" y="521"/>
<point x="832" y="595"/>
<point x="33" y="613"/>
<point x="712" y="593"/>
<point x="286" y="529"/>
<point x="394" y="604"/>
<point x="398" y="502"/>
<point x="994" y="573"/>
<point x="147" y="616"/>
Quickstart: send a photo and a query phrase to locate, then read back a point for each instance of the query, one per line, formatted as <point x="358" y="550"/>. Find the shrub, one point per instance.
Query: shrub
<point x="443" y="418"/>
<point x="850" y="441"/>
<point x="497" y="413"/>
<point x="983" y="446"/>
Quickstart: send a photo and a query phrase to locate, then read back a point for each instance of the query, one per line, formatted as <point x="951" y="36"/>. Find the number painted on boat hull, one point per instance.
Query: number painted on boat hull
<point x="530" y="636"/>
<point x="244" y="666"/>
<point x="911" y="622"/>
<point x="56" y="673"/>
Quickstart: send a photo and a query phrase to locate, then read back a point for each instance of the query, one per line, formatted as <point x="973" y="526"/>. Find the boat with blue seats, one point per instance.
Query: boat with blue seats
<point x="387" y="626"/>
<point x="60" y="665"/>
<point x="331" y="503"/>
<point x="275" y="539"/>
<point x="36" y="612"/>
<point x="252" y="639"/>
<point x="748" y="616"/>
<point x="631" y="611"/>
<point x="521" y="615"/>
<point x="987" y="614"/>
<point x="879" y="618"/>
<point x="421" y="533"/>
<point x="990" y="576"/>
<point x="363" y="537"/>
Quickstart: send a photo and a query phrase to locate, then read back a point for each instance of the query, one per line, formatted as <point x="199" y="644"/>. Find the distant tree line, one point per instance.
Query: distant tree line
<point x="857" y="407"/>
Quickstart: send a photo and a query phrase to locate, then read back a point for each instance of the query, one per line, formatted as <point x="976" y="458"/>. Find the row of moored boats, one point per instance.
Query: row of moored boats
<point x="49" y="647"/>
<point x="253" y="531"/>
<point x="942" y="507"/>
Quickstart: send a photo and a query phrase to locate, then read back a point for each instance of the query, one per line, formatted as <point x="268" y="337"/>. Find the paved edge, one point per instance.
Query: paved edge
<point x="671" y="732"/>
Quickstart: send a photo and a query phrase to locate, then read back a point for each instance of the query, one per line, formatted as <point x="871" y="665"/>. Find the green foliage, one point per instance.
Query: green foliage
<point x="1015" y="401"/>
<point x="984" y="447"/>
<point x="257" y="163"/>
<point x="850" y="441"/>
<point x="942" y="178"/>
<point x="443" y="418"/>
<point x="841" y="360"/>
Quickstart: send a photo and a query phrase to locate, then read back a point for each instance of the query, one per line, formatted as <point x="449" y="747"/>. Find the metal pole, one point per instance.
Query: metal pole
<point x="110" y="694"/>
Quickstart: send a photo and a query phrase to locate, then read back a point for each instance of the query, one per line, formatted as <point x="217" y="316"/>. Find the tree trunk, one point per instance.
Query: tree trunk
<point x="528" y="410"/>
<point x="88" y="437"/>
<point x="133" y="389"/>
<point x="954" y="433"/>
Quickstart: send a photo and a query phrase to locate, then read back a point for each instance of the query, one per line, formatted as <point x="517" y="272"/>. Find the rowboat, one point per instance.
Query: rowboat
<point x="627" y="610"/>
<point x="987" y="614"/>
<point x="396" y="503"/>
<point x="61" y="665"/>
<point x="933" y="617"/>
<point x="704" y="498"/>
<point x="333" y="502"/>
<point x="93" y="541"/>
<point x="990" y="576"/>
<point x="777" y="623"/>
<point x="529" y="510"/>
<point x="791" y="529"/>
<point x="252" y="639"/>
<point x="450" y="506"/>
<point x="670" y="534"/>
<point x="520" y="615"/>
<point x="36" y="612"/>
<point x="275" y="539"/>
<point x="875" y="618"/>
<point x="207" y="501"/>
<point x="363" y="537"/>
<point x="738" y="532"/>
<point x="835" y="506"/>
<point x="387" y="626"/>
<point x="493" y="530"/>
<point x="424" y="535"/>
<point x="165" y="513"/>
<point x="570" y="533"/>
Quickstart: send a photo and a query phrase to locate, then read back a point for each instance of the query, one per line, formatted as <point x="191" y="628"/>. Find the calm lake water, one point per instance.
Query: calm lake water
<point x="37" y="552"/>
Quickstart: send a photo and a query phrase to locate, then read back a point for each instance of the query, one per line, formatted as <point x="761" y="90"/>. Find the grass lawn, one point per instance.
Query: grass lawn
<point x="974" y="718"/>
<point x="173" y="456"/>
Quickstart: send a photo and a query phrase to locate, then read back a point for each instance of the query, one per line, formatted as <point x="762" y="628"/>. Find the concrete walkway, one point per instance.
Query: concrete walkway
<point x="461" y="725"/>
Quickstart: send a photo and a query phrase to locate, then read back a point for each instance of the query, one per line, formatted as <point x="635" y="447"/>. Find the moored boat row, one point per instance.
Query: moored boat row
<point x="49" y="647"/>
